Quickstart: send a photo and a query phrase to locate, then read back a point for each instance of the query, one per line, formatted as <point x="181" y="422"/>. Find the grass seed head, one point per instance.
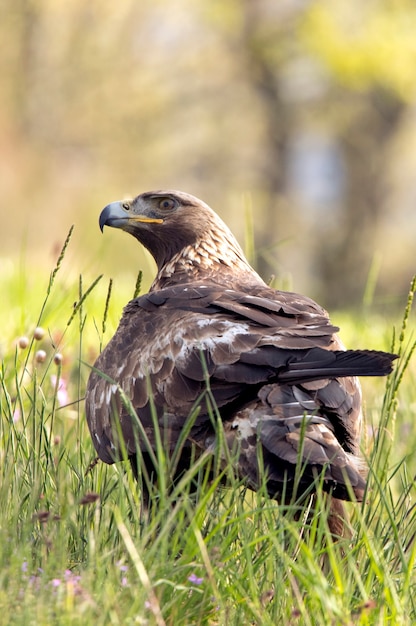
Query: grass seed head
<point x="23" y="343"/>
<point x="40" y="356"/>
<point x="39" y="333"/>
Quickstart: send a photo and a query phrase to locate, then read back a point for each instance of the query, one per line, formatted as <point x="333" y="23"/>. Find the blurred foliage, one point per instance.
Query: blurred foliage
<point x="373" y="45"/>
<point x="300" y="113"/>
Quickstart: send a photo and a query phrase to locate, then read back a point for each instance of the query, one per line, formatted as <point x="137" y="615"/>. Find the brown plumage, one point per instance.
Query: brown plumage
<point x="282" y="381"/>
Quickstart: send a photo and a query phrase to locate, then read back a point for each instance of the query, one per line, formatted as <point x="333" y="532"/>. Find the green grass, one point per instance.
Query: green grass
<point x="75" y="548"/>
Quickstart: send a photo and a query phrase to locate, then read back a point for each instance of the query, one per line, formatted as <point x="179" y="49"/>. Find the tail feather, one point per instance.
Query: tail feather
<point x="319" y="363"/>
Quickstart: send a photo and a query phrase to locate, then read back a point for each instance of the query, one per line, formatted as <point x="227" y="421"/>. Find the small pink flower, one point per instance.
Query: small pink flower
<point x="62" y="392"/>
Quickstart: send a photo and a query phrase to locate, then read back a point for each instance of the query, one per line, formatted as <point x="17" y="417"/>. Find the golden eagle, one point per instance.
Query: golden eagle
<point x="283" y="383"/>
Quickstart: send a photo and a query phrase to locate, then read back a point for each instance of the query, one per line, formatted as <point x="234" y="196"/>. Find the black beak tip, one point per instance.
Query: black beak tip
<point x="103" y="218"/>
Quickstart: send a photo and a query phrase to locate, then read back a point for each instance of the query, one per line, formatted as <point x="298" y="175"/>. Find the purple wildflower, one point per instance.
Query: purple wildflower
<point x="123" y="569"/>
<point x="193" y="578"/>
<point x="70" y="577"/>
<point x="34" y="582"/>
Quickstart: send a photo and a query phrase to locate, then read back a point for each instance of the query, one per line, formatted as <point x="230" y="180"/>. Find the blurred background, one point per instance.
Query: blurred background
<point x="295" y="120"/>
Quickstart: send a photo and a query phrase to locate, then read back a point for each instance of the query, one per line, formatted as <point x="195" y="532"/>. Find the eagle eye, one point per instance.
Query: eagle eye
<point x="126" y="206"/>
<point x="166" y="203"/>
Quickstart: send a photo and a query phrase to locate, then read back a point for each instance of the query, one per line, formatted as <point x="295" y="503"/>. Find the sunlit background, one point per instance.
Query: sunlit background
<point x="295" y="120"/>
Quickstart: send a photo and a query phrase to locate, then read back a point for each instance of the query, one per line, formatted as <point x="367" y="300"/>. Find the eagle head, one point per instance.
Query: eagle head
<point x="185" y="236"/>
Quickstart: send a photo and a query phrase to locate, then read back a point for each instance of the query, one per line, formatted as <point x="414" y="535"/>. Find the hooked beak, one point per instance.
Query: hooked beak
<point x="116" y="216"/>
